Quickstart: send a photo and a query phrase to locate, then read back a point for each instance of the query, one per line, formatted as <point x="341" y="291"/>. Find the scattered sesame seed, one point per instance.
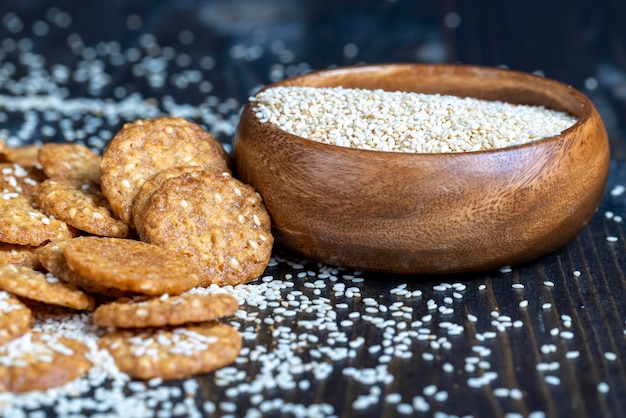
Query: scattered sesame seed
<point x="552" y="380"/>
<point x="429" y="390"/>
<point x="617" y="190"/>
<point x="572" y="354"/>
<point x="299" y="318"/>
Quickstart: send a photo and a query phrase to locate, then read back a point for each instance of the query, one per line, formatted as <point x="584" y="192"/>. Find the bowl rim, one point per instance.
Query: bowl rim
<point x="586" y="106"/>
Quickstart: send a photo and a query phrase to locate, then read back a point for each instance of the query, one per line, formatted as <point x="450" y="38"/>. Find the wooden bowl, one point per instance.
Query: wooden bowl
<point x="429" y="213"/>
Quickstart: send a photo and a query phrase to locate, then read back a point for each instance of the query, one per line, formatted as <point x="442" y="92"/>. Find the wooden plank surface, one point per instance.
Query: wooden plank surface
<point x="330" y="341"/>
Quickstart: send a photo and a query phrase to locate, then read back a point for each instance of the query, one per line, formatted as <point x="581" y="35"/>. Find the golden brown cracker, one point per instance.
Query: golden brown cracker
<point x="21" y="179"/>
<point x="39" y="361"/>
<point x="52" y="258"/>
<point x="131" y="265"/>
<point x="173" y="353"/>
<point x="220" y="222"/>
<point x="153" y="183"/>
<point x="21" y="222"/>
<point x="20" y="255"/>
<point x="165" y="310"/>
<point x="15" y="317"/>
<point x="3" y="151"/>
<point x="80" y="203"/>
<point x="25" y="155"/>
<point x="32" y="284"/>
<point x="69" y="161"/>
<point x="143" y="148"/>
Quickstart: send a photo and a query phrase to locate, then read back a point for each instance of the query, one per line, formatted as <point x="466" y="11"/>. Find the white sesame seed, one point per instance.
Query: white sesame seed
<point x="364" y="115"/>
<point x="429" y="390"/>
<point x="501" y="392"/>
<point x="572" y="354"/>
<point x="404" y="409"/>
<point x="618" y="190"/>
<point x="552" y="380"/>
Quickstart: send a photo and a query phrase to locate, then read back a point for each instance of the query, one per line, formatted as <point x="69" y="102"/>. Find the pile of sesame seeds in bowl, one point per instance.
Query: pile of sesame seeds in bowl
<point x="398" y="121"/>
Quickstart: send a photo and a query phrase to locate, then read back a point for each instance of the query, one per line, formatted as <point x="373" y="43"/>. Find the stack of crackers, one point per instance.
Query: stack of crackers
<point x="125" y="236"/>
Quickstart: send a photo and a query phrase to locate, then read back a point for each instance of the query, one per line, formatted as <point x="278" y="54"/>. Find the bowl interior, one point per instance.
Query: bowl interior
<point x="460" y="80"/>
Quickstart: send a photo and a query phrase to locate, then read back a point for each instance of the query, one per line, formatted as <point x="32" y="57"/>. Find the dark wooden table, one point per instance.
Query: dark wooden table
<point x="465" y="345"/>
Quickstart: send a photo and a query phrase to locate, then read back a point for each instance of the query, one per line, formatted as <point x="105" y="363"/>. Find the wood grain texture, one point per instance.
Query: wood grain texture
<point x="491" y="33"/>
<point x="429" y="213"/>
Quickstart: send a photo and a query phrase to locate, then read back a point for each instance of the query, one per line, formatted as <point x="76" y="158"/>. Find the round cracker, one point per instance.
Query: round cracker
<point x="26" y="155"/>
<point x="20" y="255"/>
<point x="39" y="361"/>
<point x="69" y="161"/>
<point x="15" y="317"/>
<point x="130" y="265"/>
<point x="3" y="150"/>
<point x="32" y="284"/>
<point x="152" y="184"/>
<point x="173" y="353"/>
<point x="80" y="203"/>
<point x="52" y="258"/>
<point x="160" y="311"/>
<point x="143" y="148"/>
<point x="21" y="222"/>
<point x="216" y="219"/>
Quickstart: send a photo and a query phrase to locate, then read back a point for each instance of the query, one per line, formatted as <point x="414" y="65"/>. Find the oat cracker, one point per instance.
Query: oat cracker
<point x="173" y="353"/>
<point x="165" y="310"/>
<point x="39" y="361"/>
<point x="15" y="317"/>
<point x="80" y="203"/>
<point x="69" y="161"/>
<point x="21" y="222"/>
<point x="131" y="265"/>
<point x="214" y="218"/>
<point x="144" y="147"/>
<point x="32" y="284"/>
